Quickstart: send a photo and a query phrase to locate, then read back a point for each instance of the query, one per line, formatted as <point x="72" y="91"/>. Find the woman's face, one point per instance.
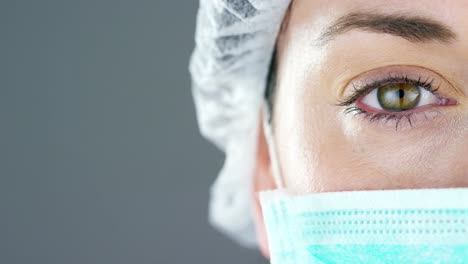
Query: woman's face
<point x="372" y="95"/>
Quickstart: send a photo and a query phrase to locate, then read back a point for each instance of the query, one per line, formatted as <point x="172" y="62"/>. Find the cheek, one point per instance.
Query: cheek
<point x="319" y="154"/>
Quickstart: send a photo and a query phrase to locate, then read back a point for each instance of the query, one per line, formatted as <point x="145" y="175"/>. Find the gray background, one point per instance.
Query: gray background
<point x="101" y="159"/>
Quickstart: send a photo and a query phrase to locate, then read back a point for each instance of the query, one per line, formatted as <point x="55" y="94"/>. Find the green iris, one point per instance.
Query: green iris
<point x="398" y="97"/>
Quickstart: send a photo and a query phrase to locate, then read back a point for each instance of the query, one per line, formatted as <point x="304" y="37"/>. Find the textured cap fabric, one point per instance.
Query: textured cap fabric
<point x="229" y="66"/>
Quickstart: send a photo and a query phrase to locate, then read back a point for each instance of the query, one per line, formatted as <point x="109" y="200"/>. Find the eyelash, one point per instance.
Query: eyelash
<point x="359" y="92"/>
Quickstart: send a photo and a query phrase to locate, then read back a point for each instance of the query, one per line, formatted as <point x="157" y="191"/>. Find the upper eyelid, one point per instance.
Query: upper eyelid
<point x="362" y="90"/>
<point x="427" y="83"/>
<point x="414" y="70"/>
<point x="400" y="79"/>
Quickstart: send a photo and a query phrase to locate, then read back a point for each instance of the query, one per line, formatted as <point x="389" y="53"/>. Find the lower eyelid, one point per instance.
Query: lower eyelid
<point x="402" y="120"/>
<point x="417" y="110"/>
<point x="371" y="109"/>
<point x="396" y="120"/>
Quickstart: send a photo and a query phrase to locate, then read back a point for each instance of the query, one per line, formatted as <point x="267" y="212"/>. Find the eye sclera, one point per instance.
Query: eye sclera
<point x="385" y="116"/>
<point x="369" y="109"/>
<point x="429" y="98"/>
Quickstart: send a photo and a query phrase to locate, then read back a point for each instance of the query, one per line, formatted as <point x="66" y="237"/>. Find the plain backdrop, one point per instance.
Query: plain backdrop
<point x="101" y="160"/>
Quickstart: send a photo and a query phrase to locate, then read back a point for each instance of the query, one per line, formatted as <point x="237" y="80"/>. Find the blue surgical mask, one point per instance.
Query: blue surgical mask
<point x="395" y="226"/>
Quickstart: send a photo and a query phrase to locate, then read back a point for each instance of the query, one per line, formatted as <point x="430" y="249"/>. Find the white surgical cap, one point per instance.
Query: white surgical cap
<point x="235" y="41"/>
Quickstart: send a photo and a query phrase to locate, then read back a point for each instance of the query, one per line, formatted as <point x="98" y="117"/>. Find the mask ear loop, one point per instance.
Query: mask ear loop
<point x="267" y="129"/>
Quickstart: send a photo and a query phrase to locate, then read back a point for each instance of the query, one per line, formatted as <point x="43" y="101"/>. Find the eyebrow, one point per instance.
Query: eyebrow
<point x="412" y="28"/>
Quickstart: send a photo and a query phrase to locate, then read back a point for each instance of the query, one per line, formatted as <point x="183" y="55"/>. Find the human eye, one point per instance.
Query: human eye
<point x="394" y="97"/>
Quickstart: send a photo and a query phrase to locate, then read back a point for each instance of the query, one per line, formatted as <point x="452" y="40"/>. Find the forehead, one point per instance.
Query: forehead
<point x="321" y="12"/>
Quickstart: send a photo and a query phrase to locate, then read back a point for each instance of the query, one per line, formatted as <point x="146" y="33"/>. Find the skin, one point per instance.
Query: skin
<point x="321" y="149"/>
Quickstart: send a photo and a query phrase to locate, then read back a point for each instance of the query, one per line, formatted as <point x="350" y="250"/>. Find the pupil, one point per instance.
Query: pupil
<point x="398" y="97"/>
<point x="401" y="93"/>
